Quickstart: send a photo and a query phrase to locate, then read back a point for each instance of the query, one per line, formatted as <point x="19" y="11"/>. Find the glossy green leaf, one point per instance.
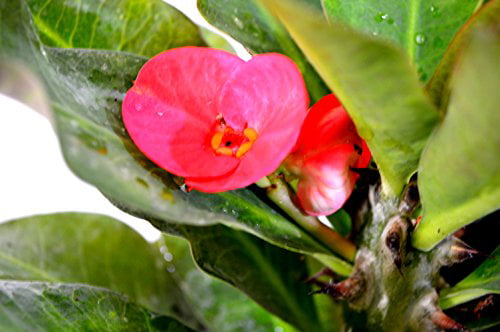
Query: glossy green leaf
<point x="143" y="27"/>
<point x="273" y="277"/>
<point x="484" y="280"/>
<point x="438" y="86"/>
<point x="95" y="250"/>
<point x="100" y="251"/>
<point x="341" y="222"/>
<point x="423" y="28"/>
<point x="86" y="88"/>
<point x="222" y="307"/>
<point x="376" y="84"/>
<point x="253" y="26"/>
<point x="459" y="178"/>
<point x="38" y="306"/>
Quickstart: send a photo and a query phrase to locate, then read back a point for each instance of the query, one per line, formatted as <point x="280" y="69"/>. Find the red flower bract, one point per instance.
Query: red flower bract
<point x="326" y="151"/>
<point x="208" y="116"/>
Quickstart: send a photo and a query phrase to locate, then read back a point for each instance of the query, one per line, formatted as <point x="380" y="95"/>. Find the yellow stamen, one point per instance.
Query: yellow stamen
<point x="244" y="148"/>
<point x="225" y="151"/>
<point x="251" y="134"/>
<point x="216" y="140"/>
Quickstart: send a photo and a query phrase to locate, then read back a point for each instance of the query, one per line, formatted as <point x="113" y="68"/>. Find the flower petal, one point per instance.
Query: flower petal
<point x="327" y="124"/>
<point x="327" y="181"/>
<point x="170" y="111"/>
<point x="267" y="94"/>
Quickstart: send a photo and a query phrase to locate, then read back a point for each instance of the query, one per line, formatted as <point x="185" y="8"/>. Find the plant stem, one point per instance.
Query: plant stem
<point x="279" y="194"/>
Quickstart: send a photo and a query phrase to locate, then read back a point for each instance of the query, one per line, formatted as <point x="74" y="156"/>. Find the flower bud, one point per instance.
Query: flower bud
<point x="327" y="151"/>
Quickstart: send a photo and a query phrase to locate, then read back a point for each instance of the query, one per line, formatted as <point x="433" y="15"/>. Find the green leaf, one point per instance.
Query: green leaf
<point x="143" y="27"/>
<point x="95" y="250"/>
<point x="38" y="306"/>
<point x="223" y="307"/>
<point x="484" y="280"/>
<point x="376" y="84"/>
<point x="459" y="178"/>
<point x="215" y="40"/>
<point x="273" y="277"/>
<point x="252" y="25"/>
<point x="438" y="86"/>
<point x="341" y="222"/>
<point x="100" y="251"/>
<point x="86" y="88"/>
<point x="422" y="28"/>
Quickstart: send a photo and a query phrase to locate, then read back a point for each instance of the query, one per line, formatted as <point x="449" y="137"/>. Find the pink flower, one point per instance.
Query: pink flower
<point x="214" y="119"/>
<point x="326" y="151"/>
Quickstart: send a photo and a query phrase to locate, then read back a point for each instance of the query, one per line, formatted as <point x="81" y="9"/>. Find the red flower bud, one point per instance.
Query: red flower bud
<point x="327" y="150"/>
<point x="208" y="116"/>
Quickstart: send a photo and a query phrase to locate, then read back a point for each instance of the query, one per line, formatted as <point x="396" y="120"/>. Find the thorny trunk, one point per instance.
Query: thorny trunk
<point x="394" y="286"/>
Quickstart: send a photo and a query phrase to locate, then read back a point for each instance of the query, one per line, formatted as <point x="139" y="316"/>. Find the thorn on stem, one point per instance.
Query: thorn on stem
<point x="347" y="289"/>
<point x="446" y="323"/>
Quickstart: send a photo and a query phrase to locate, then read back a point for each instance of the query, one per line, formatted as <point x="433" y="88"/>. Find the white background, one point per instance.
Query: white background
<point x="34" y="178"/>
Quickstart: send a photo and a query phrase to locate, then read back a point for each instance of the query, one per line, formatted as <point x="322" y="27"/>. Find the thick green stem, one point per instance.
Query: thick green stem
<point x="279" y="194"/>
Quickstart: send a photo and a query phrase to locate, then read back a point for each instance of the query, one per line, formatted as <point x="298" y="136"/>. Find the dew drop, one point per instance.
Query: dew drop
<point x="420" y="39"/>
<point x="138" y="107"/>
<point x="160" y="113"/>
<point x="171" y="269"/>
<point x="385" y="16"/>
<point x="168" y="257"/>
<point x="238" y="22"/>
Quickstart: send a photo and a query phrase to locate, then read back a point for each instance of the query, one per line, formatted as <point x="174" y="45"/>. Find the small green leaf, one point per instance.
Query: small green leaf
<point x="252" y="25"/>
<point x="271" y="276"/>
<point x="142" y="27"/>
<point x="38" y="306"/>
<point x="95" y="250"/>
<point x="424" y="29"/>
<point x="376" y="84"/>
<point x="459" y="178"/>
<point x="438" y="86"/>
<point x="484" y="280"/>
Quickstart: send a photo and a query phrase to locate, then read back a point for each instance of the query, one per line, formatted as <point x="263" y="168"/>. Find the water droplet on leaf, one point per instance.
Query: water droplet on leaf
<point x="420" y="39"/>
<point x="238" y="23"/>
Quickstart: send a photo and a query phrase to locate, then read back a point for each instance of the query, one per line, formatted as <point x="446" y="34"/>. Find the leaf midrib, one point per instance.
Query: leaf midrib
<point x="28" y="267"/>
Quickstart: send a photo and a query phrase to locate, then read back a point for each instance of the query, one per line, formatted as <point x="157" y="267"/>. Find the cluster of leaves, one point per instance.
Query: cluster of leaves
<point x="382" y="60"/>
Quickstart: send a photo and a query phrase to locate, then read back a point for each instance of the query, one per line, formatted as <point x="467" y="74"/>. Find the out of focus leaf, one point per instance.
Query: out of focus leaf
<point x="459" y="174"/>
<point x="95" y="250"/>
